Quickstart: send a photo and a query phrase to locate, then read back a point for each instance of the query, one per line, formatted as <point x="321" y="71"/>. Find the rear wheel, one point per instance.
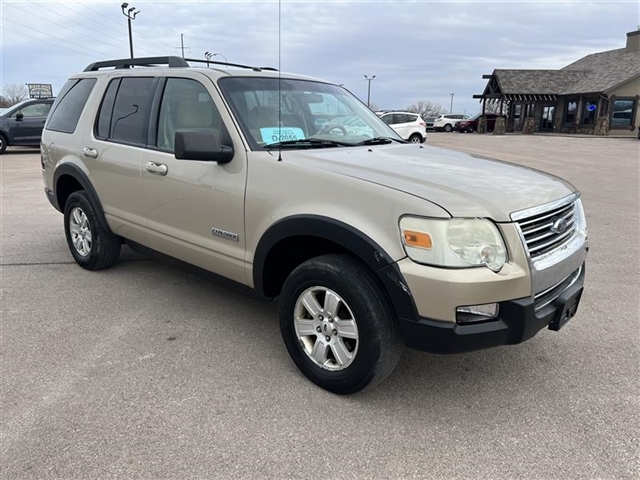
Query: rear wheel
<point x="91" y="246"/>
<point x="337" y="324"/>
<point x="415" y="138"/>
<point x="3" y="143"/>
<point x="448" y="127"/>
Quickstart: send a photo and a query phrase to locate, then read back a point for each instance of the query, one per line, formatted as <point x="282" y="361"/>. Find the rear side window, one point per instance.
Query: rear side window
<point x="66" y="114"/>
<point x="103" y="127"/>
<point x="130" y="116"/>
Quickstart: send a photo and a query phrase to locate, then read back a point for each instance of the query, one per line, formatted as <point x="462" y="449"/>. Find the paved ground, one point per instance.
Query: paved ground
<point x="144" y="371"/>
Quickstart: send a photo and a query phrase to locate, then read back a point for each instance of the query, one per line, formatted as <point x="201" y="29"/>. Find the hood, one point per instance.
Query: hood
<point x="464" y="185"/>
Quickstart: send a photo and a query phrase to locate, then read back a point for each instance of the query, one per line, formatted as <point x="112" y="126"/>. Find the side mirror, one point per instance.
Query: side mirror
<point x="19" y="116"/>
<point x="201" y="145"/>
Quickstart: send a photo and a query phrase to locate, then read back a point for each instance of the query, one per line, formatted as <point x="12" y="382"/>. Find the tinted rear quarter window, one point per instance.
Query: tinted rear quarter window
<point x="74" y="96"/>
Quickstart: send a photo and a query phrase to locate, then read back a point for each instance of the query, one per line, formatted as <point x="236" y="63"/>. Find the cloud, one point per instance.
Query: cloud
<point x="418" y="50"/>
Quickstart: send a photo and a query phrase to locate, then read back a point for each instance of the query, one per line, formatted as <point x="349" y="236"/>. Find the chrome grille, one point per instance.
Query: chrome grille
<point x="548" y="296"/>
<point x="539" y="234"/>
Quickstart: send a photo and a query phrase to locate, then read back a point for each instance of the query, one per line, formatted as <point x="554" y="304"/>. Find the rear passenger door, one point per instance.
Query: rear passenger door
<point x="400" y="124"/>
<point x="194" y="209"/>
<point x="114" y="150"/>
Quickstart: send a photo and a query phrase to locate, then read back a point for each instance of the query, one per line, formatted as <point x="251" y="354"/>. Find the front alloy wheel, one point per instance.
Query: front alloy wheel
<point x="326" y="328"/>
<point x="337" y="324"/>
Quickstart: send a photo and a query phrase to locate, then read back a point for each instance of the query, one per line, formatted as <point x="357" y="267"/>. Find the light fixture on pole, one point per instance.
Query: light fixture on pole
<point x="369" y="89"/>
<point x="131" y="15"/>
<point x="451" y="107"/>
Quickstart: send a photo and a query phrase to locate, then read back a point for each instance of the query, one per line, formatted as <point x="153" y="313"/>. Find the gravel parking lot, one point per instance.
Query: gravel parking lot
<point x="146" y="371"/>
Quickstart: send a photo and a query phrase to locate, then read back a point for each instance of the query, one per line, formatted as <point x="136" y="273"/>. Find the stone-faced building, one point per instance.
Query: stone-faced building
<point x="598" y="94"/>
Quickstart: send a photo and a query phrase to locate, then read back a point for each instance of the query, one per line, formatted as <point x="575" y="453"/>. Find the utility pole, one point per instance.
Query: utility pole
<point x="451" y="107"/>
<point x="131" y="15"/>
<point x="182" y="47"/>
<point x="369" y="89"/>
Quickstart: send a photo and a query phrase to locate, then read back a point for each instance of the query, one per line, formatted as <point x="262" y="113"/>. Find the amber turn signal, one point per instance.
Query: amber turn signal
<point x="417" y="239"/>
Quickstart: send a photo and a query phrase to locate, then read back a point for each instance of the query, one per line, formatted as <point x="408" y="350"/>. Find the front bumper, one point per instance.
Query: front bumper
<point x="517" y="321"/>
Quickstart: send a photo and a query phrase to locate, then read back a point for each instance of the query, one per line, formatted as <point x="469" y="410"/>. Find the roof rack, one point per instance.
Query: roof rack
<point x="239" y="65"/>
<point x="171" y="62"/>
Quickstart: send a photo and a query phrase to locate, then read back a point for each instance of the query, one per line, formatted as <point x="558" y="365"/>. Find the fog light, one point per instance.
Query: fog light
<point x="476" y="313"/>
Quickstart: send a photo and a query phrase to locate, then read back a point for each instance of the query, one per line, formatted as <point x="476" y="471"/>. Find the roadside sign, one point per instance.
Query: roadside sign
<point x="40" y="90"/>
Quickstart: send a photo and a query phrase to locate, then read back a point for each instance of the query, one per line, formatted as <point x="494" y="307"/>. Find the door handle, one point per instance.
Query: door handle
<point x="156" y="168"/>
<point x="90" y="152"/>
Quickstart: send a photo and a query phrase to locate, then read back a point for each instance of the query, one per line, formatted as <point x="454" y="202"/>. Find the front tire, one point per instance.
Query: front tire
<point x="91" y="246"/>
<point x="337" y="324"/>
<point x="448" y="127"/>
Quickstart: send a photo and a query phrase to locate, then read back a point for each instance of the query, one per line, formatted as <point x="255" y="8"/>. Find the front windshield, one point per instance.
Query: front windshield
<point x="318" y="112"/>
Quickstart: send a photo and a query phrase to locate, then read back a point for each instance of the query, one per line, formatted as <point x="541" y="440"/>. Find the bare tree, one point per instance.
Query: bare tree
<point x="15" y="93"/>
<point x="3" y="102"/>
<point x="426" y="108"/>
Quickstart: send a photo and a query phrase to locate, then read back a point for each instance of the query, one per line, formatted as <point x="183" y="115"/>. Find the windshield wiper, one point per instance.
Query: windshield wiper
<point x="308" y="143"/>
<point x="379" y="141"/>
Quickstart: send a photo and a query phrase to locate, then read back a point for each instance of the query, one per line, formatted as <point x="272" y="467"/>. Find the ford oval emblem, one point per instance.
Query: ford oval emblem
<point x="559" y="225"/>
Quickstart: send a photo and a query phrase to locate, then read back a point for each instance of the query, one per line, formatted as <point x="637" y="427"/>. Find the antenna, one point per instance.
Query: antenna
<point x="279" y="81"/>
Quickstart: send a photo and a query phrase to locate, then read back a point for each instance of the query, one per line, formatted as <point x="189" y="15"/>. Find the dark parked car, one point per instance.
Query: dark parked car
<point x="22" y="124"/>
<point x="471" y="125"/>
<point x="429" y="121"/>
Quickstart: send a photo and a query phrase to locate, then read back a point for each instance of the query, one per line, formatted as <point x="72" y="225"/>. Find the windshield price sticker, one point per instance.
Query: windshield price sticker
<point x="283" y="134"/>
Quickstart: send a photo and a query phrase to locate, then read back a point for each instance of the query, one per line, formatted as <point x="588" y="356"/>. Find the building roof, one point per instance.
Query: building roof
<point x="606" y="70"/>
<point x="595" y="73"/>
<point x="537" y="81"/>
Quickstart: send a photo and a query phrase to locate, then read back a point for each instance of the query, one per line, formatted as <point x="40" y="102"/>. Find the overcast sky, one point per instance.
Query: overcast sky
<point x="418" y="50"/>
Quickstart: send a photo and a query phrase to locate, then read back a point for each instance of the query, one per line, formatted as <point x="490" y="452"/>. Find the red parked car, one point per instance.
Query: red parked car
<point x="471" y="125"/>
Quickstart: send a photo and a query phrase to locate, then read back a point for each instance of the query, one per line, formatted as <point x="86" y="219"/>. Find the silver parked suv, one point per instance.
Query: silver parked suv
<point x="368" y="241"/>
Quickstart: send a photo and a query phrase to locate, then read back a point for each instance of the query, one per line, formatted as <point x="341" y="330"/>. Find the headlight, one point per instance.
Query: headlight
<point x="581" y="220"/>
<point x="457" y="242"/>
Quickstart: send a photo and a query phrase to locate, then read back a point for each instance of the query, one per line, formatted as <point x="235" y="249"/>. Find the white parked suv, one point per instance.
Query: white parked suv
<point x="447" y="122"/>
<point x="410" y="126"/>
<point x="268" y="181"/>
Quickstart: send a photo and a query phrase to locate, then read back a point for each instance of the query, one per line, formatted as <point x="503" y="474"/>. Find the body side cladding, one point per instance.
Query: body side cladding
<point x="350" y="239"/>
<point x="78" y="175"/>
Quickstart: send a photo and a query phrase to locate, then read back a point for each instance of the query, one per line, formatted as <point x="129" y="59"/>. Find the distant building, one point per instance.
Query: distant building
<point x="598" y="94"/>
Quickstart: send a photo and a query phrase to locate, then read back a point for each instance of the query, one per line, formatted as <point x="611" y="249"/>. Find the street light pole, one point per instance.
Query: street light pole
<point x="369" y="90"/>
<point x="131" y="15"/>
<point x="451" y="107"/>
<point x="208" y="56"/>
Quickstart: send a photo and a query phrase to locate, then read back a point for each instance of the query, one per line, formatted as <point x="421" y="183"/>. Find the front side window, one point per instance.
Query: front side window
<point x="303" y="113"/>
<point x="622" y="110"/>
<point x="186" y="105"/>
<point x="35" y="110"/>
<point x="69" y="106"/>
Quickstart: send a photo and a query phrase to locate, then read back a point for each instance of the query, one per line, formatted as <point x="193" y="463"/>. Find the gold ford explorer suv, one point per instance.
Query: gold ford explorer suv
<point x="292" y="187"/>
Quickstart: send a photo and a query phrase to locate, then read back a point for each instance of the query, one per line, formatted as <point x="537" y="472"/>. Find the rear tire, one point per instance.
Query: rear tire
<point x="91" y="246"/>
<point x="416" y="138"/>
<point x="3" y="143"/>
<point x="337" y="324"/>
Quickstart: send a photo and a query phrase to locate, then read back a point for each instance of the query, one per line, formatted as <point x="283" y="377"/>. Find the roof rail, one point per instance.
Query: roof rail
<point x="172" y="62"/>
<point x="239" y="65"/>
